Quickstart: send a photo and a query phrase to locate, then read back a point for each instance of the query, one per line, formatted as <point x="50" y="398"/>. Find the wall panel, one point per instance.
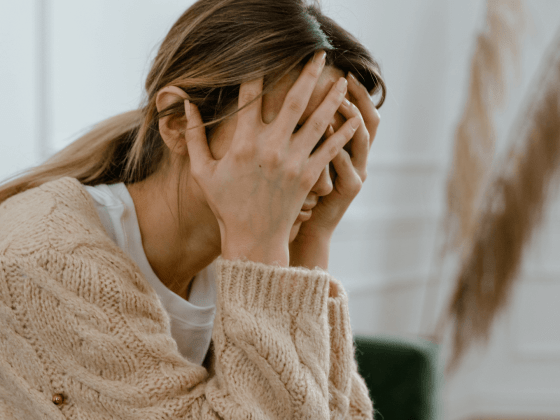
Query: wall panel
<point x="20" y="78"/>
<point x="101" y="54"/>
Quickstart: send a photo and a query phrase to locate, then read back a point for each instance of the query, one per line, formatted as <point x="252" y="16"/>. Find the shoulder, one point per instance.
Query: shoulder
<point x="52" y="235"/>
<point x="56" y="227"/>
<point x="59" y="214"/>
<point x="70" y="295"/>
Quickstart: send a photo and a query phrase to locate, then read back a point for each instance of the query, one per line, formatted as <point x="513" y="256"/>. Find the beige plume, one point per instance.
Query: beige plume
<point x="511" y="211"/>
<point x="475" y="137"/>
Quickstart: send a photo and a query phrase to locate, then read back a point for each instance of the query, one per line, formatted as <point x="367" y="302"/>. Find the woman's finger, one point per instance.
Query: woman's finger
<point x="329" y="132"/>
<point x="348" y="182"/>
<point x="195" y="137"/>
<point x="297" y="99"/>
<point x="315" y="126"/>
<point x="363" y="102"/>
<point x="358" y="147"/>
<point x="252" y="113"/>
<point x="332" y="171"/>
<point x="328" y="150"/>
<point x="347" y="177"/>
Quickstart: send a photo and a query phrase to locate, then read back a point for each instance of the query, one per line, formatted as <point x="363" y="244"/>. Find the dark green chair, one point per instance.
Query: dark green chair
<point x="402" y="375"/>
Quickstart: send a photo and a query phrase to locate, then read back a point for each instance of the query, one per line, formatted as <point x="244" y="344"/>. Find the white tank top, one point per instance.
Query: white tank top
<point x="191" y="320"/>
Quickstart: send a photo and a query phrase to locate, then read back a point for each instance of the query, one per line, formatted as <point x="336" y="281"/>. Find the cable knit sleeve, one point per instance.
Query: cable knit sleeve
<point x="349" y="395"/>
<point x="84" y="327"/>
<point x="83" y="335"/>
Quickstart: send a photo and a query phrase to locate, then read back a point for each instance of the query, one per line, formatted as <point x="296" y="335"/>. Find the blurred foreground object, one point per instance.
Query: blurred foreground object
<point x="475" y="137"/>
<point x="495" y="232"/>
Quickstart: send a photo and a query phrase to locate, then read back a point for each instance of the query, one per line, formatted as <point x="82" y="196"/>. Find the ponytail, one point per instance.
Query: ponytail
<point x="209" y="58"/>
<point x="98" y="157"/>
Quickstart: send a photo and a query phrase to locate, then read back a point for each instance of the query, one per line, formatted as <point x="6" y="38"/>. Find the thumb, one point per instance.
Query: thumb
<point x="195" y="137"/>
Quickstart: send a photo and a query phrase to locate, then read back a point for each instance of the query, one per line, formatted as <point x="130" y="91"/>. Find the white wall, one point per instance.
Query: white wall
<point x="19" y="82"/>
<point x="67" y="65"/>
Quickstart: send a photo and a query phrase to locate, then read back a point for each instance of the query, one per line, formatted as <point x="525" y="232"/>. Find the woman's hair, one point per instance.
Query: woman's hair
<point x="214" y="47"/>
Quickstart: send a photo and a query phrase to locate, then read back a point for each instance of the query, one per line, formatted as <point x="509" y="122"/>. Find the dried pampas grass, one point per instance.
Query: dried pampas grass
<point x="475" y="137"/>
<point x="512" y="209"/>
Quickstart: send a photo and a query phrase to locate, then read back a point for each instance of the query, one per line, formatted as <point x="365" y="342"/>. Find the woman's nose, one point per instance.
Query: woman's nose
<point x="324" y="184"/>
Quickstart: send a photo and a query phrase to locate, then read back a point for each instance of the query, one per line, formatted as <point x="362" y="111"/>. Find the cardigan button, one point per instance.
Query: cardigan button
<point x="58" y="399"/>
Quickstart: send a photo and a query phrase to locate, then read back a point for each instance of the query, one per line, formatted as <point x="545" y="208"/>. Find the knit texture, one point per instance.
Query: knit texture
<point x="77" y="318"/>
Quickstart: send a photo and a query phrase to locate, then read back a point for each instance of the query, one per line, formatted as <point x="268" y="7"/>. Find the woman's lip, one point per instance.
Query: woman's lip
<point x="304" y="215"/>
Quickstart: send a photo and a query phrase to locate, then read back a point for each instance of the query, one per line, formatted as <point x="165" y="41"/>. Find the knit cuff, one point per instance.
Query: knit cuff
<point x="257" y="287"/>
<point x="341" y="341"/>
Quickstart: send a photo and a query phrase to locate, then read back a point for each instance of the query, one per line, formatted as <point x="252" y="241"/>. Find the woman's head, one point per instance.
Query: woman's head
<point x="212" y="48"/>
<point x="177" y="172"/>
<point x="218" y="44"/>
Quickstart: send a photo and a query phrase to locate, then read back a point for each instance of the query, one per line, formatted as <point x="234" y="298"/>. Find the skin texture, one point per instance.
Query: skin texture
<point x="174" y="254"/>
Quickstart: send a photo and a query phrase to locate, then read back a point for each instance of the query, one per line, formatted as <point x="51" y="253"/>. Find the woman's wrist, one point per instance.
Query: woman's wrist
<point x="310" y="253"/>
<point x="270" y="254"/>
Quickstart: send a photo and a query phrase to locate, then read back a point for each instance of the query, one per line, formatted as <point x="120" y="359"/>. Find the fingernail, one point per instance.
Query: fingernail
<point x="354" y="79"/>
<point x="355" y="123"/>
<point x="188" y="109"/>
<point x="342" y="84"/>
<point x="319" y="57"/>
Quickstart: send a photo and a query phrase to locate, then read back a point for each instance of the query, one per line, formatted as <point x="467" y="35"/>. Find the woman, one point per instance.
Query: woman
<point x="161" y="266"/>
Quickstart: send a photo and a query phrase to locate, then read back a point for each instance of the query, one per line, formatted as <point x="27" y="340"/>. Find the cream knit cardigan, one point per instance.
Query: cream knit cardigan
<point x="79" y="321"/>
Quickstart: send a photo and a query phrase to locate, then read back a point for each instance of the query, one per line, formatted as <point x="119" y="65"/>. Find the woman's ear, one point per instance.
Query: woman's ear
<point x="172" y="129"/>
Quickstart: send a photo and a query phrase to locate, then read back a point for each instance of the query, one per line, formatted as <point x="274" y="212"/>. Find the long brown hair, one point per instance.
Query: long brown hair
<point x="214" y="47"/>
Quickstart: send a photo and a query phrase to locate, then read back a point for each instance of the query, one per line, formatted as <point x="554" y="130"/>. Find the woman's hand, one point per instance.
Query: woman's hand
<point x="258" y="187"/>
<point x="311" y="245"/>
